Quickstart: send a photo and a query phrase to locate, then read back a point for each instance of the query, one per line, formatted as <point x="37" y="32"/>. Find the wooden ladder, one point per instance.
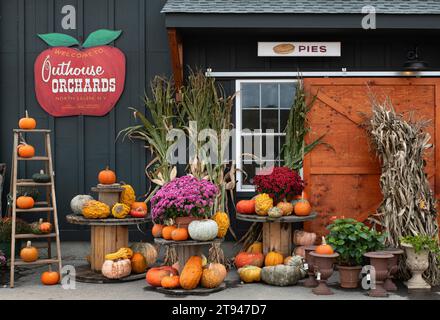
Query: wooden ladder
<point x="49" y="206"/>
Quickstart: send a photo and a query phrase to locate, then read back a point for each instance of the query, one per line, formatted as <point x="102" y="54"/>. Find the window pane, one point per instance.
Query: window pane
<point x="250" y="95"/>
<point x="284" y="116"/>
<point x="250" y="119"/>
<point x="270" y="149"/>
<point x="269" y="120"/>
<point x="269" y="95"/>
<point x="250" y="147"/>
<point x="287" y="94"/>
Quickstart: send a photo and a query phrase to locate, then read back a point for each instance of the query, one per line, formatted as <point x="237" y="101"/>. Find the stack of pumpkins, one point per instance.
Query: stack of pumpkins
<point x="263" y="205"/>
<point x="195" y="272"/>
<point x="273" y="269"/>
<point x="126" y="261"/>
<point x="199" y="230"/>
<point x="93" y="209"/>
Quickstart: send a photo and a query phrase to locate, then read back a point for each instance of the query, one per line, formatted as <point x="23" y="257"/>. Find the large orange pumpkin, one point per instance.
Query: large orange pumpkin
<point x="155" y="275"/>
<point x="179" y="234"/>
<point x="273" y="258"/>
<point x="106" y="176"/>
<point x="166" y="232"/>
<point x="25" y="202"/>
<point x="139" y="205"/>
<point x="303" y="208"/>
<point x="25" y="150"/>
<point x="246" y="206"/>
<point x="49" y="278"/>
<point x="170" y="282"/>
<point x="156" y="231"/>
<point x="191" y="273"/>
<point x="249" y="259"/>
<point x="27" y="123"/>
<point x="138" y="263"/>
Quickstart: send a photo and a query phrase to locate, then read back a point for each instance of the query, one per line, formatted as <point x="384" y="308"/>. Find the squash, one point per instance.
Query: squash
<point x="179" y="234"/>
<point x="41" y="177"/>
<point x="303" y="238"/>
<point x="25" y="202"/>
<point x="139" y="205"/>
<point x="128" y="196"/>
<point x="285" y="207"/>
<point x="324" y="248"/>
<point x="300" y="251"/>
<point x="120" y="210"/>
<point x="275" y="212"/>
<point x="147" y="250"/>
<point x="166" y="232"/>
<point x="95" y="210"/>
<point x="213" y="275"/>
<point x="273" y="258"/>
<point x="203" y="230"/>
<point x="281" y="275"/>
<point x="303" y="208"/>
<point x="155" y="275"/>
<point x="156" y="231"/>
<point x="29" y="253"/>
<point x="223" y="222"/>
<point x="25" y="150"/>
<point x="170" y="282"/>
<point x="249" y="259"/>
<point x="138" y="263"/>
<point x="41" y="227"/>
<point x="191" y="273"/>
<point x="27" y="123"/>
<point x="78" y="202"/>
<point x="297" y="261"/>
<point x="286" y="260"/>
<point x="106" y="176"/>
<point x="116" y="269"/>
<point x="245" y="206"/>
<point x="263" y="203"/>
<point x="122" y="253"/>
<point x="256" y="247"/>
<point x="138" y="213"/>
<point x="250" y="274"/>
<point x="50" y="278"/>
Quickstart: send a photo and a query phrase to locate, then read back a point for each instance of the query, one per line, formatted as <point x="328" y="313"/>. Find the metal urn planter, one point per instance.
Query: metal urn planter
<point x="323" y="266"/>
<point x="417" y="262"/>
<point x="380" y="262"/>
<point x="310" y="282"/>
<point x="393" y="267"/>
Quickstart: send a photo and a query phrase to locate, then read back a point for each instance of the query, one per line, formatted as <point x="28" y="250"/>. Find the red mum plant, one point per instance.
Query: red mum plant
<point x="279" y="183"/>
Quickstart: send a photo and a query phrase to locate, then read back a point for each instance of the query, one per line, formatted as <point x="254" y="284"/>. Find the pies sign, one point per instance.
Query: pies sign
<point x="79" y="81"/>
<point x="299" y="49"/>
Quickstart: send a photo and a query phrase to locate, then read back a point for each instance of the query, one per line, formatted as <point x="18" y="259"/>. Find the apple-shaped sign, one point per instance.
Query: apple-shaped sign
<point x="79" y="81"/>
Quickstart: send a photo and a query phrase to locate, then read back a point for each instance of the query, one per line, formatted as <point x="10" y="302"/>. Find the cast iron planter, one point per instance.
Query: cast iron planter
<point x="393" y="267"/>
<point x="310" y="282"/>
<point x="380" y="262"/>
<point x="323" y="267"/>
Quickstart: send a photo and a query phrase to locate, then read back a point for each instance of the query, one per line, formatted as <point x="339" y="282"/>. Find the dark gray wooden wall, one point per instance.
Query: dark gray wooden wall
<point x="81" y="145"/>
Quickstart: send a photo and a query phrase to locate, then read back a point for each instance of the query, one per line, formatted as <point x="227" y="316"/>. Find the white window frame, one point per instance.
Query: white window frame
<point x="238" y="122"/>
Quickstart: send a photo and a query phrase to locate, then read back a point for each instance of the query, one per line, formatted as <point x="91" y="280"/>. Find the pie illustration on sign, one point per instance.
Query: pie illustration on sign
<point x="283" y="48"/>
<point x="87" y="81"/>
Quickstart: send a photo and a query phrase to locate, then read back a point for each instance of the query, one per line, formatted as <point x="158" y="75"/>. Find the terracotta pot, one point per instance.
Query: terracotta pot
<point x="323" y="267"/>
<point x="349" y="276"/>
<point x="183" y="222"/>
<point x="380" y="262"/>
<point x="417" y="263"/>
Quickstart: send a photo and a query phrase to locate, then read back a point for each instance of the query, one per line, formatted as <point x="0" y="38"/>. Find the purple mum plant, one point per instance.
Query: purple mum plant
<point x="183" y="197"/>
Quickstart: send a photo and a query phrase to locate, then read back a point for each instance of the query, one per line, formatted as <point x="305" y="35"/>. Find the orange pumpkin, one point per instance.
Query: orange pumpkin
<point x="29" y="253"/>
<point x="27" y="123"/>
<point x="170" y="282"/>
<point x="166" y="232"/>
<point x="139" y="205"/>
<point x="25" y="202"/>
<point x="138" y="263"/>
<point x="303" y="208"/>
<point x="285" y="207"/>
<point x="106" y="176"/>
<point x="49" y="278"/>
<point x="273" y="258"/>
<point x="191" y="273"/>
<point x="246" y="206"/>
<point x="155" y="275"/>
<point x="249" y="259"/>
<point x="156" y="231"/>
<point x="324" y="248"/>
<point x="45" y="227"/>
<point x="25" y="150"/>
<point x="179" y="234"/>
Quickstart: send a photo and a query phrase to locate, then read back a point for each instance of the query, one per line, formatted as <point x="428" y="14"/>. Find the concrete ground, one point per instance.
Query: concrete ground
<point x="28" y="286"/>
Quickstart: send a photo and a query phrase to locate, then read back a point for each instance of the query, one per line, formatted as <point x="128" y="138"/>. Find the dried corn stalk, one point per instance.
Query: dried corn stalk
<point x="409" y="205"/>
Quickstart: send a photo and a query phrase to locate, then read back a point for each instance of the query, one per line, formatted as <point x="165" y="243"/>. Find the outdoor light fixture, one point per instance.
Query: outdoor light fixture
<point x="413" y="63"/>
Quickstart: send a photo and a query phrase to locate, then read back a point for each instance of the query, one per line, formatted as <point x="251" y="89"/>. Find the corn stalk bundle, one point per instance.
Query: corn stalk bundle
<point x="408" y="207"/>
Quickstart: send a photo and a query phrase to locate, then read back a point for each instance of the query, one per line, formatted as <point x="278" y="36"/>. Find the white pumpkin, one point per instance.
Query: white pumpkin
<point x="77" y="203"/>
<point x="203" y="230"/>
<point x="116" y="269"/>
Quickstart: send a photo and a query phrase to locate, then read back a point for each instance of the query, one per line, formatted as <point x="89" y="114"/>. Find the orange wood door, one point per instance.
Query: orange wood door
<point x="343" y="180"/>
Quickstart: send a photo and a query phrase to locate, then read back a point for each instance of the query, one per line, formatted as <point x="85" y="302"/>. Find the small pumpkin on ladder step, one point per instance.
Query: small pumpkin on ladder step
<point x="41" y="177"/>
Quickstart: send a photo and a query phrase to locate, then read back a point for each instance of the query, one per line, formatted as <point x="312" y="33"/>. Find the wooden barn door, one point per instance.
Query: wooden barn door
<point x="343" y="180"/>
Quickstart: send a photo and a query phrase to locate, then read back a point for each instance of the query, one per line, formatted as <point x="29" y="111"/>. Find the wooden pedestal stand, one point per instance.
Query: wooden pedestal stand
<point x="277" y="232"/>
<point x="107" y="236"/>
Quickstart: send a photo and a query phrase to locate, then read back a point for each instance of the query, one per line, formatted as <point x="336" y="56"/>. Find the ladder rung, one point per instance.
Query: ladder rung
<point x="42" y="209"/>
<point x="33" y="130"/>
<point x="41" y="261"/>
<point x="37" y="158"/>
<point x="42" y="203"/>
<point x="36" y="236"/>
<point x="30" y="183"/>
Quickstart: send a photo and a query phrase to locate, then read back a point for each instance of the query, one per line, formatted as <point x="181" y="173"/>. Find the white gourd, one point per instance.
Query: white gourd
<point x="77" y="203"/>
<point x="203" y="230"/>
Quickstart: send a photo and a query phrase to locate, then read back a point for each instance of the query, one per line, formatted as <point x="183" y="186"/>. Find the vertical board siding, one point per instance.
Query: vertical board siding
<point x="81" y="145"/>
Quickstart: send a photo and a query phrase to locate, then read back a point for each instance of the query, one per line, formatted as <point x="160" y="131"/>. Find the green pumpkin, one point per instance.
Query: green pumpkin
<point x="41" y="177"/>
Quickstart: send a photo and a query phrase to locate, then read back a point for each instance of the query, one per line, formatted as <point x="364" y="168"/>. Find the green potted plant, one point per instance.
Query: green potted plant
<point x="417" y="249"/>
<point x="5" y="234"/>
<point x="351" y="239"/>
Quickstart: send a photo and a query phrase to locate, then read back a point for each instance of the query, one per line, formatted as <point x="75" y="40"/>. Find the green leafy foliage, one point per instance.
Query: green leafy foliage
<point x="101" y="37"/>
<point x="6" y="228"/>
<point x="420" y="243"/>
<point x="58" y="40"/>
<point x="351" y="239"/>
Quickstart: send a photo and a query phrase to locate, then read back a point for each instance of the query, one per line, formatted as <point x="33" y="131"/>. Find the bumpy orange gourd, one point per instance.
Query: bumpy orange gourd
<point x="27" y="123"/>
<point x="191" y="273"/>
<point x="170" y="282"/>
<point x="179" y="234"/>
<point x="29" y="253"/>
<point x="166" y="232"/>
<point x="324" y="248"/>
<point x="25" y="202"/>
<point x="285" y="207"/>
<point x="155" y="275"/>
<point x="213" y="275"/>
<point x="303" y="208"/>
<point x="128" y="195"/>
<point x="50" y="278"/>
<point x="156" y="231"/>
<point x="273" y="258"/>
<point x="138" y="263"/>
<point x="25" y="151"/>
<point x="246" y="206"/>
<point x="249" y="259"/>
<point x="263" y="203"/>
<point x="106" y="176"/>
<point x="256" y="247"/>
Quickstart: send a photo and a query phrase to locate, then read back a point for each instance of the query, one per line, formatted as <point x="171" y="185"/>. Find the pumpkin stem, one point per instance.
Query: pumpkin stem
<point x="323" y="241"/>
<point x="40" y="221"/>
<point x="41" y="171"/>
<point x="26" y="113"/>
<point x="28" y="244"/>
